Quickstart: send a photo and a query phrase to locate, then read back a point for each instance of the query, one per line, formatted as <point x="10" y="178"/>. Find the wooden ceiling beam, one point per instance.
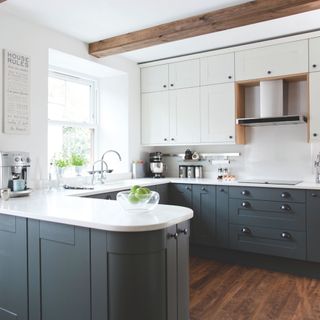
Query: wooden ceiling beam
<point x="219" y="20"/>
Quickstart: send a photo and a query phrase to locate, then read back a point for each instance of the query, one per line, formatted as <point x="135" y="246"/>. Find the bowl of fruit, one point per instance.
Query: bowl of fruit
<point x="138" y="199"/>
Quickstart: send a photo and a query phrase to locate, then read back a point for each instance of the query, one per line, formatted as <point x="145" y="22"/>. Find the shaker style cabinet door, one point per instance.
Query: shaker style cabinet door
<point x="59" y="271"/>
<point x="314" y="54"/>
<point x="13" y="268"/>
<point x="314" y="85"/>
<point x="154" y="79"/>
<point x="155" y="118"/>
<point x="185" y="115"/>
<point x="217" y="69"/>
<point x="218" y="113"/>
<point x="272" y="61"/>
<point x="184" y="74"/>
<point x="313" y="225"/>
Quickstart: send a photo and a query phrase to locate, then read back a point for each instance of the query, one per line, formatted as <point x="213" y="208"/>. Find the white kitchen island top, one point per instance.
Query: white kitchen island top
<point x="55" y="206"/>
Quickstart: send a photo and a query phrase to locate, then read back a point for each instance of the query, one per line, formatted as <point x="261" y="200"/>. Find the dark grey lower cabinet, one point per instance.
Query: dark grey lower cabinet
<point x="141" y="275"/>
<point x="59" y="271"/>
<point x="313" y="225"/>
<point x="13" y="268"/>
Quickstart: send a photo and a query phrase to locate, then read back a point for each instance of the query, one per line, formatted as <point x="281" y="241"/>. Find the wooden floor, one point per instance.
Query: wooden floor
<point x="229" y="292"/>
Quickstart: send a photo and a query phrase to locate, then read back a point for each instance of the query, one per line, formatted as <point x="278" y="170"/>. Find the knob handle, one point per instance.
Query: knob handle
<point x="314" y="66"/>
<point x="245" y="204"/>
<point x="230" y="137"/>
<point x="171" y="84"/>
<point x="285" y="195"/>
<point x="172" y="139"/>
<point x="165" y="139"/>
<point x="245" y="230"/>
<point x="269" y="72"/>
<point x="188" y="188"/>
<point x="286" y="235"/>
<point x="222" y="190"/>
<point x="173" y="235"/>
<point x="315" y="134"/>
<point x="203" y="189"/>
<point x="313" y="195"/>
<point x="245" y="192"/>
<point x="229" y="77"/>
<point x="184" y="231"/>
<point x="285" y="207"/>
<point x="164" y="85"/>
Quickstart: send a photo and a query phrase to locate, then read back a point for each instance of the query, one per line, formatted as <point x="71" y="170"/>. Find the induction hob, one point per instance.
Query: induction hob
<point x="265" y="181"/>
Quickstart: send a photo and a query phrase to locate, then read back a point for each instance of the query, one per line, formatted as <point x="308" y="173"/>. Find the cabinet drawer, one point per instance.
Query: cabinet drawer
<point x="276" y="242"/>
<point x="272" y="194"/>
<point x="270" y="214"/>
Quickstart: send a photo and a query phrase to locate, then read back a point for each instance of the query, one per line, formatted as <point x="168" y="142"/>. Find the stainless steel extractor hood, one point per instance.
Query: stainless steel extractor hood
<point x="270" y="121"/>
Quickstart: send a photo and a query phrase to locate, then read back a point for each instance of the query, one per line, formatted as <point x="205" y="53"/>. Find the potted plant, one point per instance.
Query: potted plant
<point x="78" y="161"/>
<point x="60" y="163"/>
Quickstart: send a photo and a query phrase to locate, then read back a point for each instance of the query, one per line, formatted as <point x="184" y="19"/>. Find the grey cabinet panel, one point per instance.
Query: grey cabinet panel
<point x="204" y="222"/>
<point x="162" y="189"/>
<point x="180" y="195"/>
<point x="13" y="268"/>
<point x="313" y="226"/>
<point x="269" y="194"/>
<point x="60" y="279"/>
<point x="270" y="214"/>
<point x="222" y="208"/>
<point x="268" y="241"/>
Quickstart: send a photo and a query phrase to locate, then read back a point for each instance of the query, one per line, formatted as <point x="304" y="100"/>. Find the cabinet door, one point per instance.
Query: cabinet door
<point x="178" y="272"/>
<point x="185" y="116"/>
<point x="155" y="118"/>
<point x="314" y="54"/>
<point x="181" y="194"/>
<point x="59" y="271"/>
<point x="154" y="78"/>
<point x="13" y="268"/>
<point x="222" y="207"/>
<point x="184" y="74"/>
<point x="272" y="61"/>
<point x="217" y="69"/>
<point x="313" y="225"/>
<point x="204" y="222"/>
<point x="314" y="86"/>
<point x="218" y="113"/>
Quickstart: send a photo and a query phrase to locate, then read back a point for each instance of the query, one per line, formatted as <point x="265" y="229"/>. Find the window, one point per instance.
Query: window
<point x="71" y="117"/>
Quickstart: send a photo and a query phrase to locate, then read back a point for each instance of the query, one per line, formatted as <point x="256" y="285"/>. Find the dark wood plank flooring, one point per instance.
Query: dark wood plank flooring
<point x="220" y="291"/>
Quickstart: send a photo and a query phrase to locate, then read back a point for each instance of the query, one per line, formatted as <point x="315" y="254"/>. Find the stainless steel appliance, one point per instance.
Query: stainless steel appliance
<point x="14" y="168"/>
<point x="182" y="171"/>
<point x="157" y="166"/>
<point x="317" y="167"/>
<point x="198" y="172"/>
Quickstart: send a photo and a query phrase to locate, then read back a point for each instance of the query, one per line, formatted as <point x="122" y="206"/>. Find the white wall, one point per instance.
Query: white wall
<point x="35" y="41"/>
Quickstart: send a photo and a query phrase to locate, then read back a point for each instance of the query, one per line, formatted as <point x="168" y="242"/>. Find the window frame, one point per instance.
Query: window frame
<point x="94" y="109"/>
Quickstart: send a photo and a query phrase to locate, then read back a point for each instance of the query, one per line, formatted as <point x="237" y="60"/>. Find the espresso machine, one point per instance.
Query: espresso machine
<point x="14" y="168"/>
<point x="156" y="165"/>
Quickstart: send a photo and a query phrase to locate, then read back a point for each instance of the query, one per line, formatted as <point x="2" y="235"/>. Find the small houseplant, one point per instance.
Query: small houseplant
<point x="78" y="161"/>
<point x="60" y="162"/>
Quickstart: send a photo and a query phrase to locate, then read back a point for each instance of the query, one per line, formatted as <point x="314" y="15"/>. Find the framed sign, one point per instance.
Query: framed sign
<point x="16" y="93"/>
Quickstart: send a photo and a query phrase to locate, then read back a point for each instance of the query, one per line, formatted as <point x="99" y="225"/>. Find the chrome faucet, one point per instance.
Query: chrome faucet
<point x="101" y="171"/>
<point x="111" y="151"/>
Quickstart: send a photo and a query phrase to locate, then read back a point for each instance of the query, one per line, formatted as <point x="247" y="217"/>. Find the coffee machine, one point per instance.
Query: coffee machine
<point x="156" y="164"/>
<point x="14" y="168"/>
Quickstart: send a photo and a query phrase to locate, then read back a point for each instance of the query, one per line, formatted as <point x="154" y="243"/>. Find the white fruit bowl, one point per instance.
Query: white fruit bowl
<point x="144" y="203"/>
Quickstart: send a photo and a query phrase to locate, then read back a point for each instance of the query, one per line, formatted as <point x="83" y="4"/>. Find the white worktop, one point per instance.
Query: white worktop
<point x="56" y="206"/>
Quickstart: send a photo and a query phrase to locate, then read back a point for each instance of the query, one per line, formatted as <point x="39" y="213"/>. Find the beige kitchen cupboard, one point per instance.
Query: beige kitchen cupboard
<point x="217" y="69"/>
<point x="314" y="54"/>
<point x="272" y="61"/>
<point x="178" y="75"/>
<point x="171" y="118"/>
<point x="218" y="113"/>
<point x="314" y="86"/>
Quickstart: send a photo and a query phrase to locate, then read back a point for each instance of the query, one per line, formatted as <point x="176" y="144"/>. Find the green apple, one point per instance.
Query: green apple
<point x="134" y="188"/>
<point x="132" y="198"/>
<point x="142" y="193"/>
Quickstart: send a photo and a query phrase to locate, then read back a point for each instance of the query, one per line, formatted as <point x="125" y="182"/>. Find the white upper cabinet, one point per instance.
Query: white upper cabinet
<point x="154" y="79"/>
<point x="314" y="106"/>
<point x="218" y="113"/>
<point x="155" y="118"/>
<point x="184" y="74"/>
<point x="272" y="61"/>
<point x="314" y="54"/>
<point x="185" y="116"/>
<point x="217" y="69"/>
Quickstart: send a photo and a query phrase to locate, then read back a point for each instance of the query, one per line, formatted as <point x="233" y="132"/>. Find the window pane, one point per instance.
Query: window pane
<point x="69" y="100"/>
<point x="68" y="140"/>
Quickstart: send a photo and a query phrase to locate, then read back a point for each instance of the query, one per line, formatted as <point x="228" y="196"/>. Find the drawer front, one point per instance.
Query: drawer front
<point x="275" y="242"/>
<point x="270" y="214"/>
<point x="272" y="194"/>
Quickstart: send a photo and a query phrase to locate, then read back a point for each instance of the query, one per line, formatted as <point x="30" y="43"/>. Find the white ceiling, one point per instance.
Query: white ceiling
<point x="92" y="20"/>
